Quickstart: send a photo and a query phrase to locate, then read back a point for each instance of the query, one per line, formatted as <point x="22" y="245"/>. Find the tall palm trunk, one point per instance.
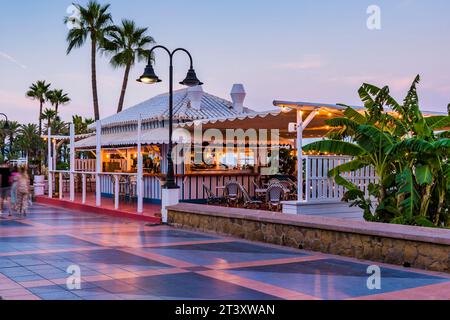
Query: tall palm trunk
<point x="56" y="108"/>
<point x="94" y="77"/>
<point x="124" y="88"/>
<point x="11" y="137"/>
<point x="40" y="116"/>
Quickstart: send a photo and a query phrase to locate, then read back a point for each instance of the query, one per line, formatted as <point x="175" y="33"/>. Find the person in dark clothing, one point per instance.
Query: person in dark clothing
<point x="5" y="186"/>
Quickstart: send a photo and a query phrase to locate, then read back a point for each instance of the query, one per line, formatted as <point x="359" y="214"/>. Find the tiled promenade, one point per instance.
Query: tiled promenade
<point x="124" y="259"/>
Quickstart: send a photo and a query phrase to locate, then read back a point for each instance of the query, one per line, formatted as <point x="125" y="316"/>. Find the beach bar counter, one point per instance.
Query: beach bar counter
<point x="119" y="152"/>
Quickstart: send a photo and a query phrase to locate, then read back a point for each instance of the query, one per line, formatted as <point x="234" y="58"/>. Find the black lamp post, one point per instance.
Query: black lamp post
<point x="149" y="77"/>
<point x="6" y="126"/>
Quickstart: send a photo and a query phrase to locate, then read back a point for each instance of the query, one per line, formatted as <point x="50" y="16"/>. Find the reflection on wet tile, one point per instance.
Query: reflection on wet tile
<point x="119" y="260"/>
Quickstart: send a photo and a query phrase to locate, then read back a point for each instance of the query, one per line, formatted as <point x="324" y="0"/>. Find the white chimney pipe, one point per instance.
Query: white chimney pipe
<point x="238" y="96"/>
<point x="195" y="95"/>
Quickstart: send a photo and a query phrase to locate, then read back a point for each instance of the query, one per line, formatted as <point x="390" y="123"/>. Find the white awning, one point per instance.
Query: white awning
<point x="122" y="139"/>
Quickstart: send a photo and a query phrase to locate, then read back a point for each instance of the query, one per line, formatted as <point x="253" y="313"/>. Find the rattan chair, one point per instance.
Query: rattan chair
<point x="231" y="192"/>
<point x="249" y="202"/>
<point x="211" y="199"/>
<point x="275" y="194"/>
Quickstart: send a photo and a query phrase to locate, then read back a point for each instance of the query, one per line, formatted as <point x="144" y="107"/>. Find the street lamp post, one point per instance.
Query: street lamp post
<point x="6" y="126"/>
<point x="149" y="77"/>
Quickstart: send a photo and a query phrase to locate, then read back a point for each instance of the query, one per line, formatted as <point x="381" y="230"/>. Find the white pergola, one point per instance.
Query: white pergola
<point x="98" y="170"/>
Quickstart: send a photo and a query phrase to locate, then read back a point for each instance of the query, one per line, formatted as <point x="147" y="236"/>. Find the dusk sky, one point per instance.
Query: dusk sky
<point x="317" y="51"/>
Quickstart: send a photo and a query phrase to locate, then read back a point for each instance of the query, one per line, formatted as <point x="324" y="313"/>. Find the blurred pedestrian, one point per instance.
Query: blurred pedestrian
<point x="5" y="186"/>
<point x="23" y="191"/>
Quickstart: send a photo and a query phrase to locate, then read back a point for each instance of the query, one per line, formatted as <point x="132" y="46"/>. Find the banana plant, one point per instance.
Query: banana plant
<point x="410" y="159"/>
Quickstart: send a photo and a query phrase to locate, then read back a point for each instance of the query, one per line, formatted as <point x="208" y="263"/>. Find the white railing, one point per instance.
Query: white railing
<point x="319" y="187"/>
<point x="105" y="182"/>
<point x="85" y="165"/>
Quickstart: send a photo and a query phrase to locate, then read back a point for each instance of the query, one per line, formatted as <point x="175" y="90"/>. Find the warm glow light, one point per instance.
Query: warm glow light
<point x="147" y="80"/>
<point x="330" y="114"/>
<point x="285" y="109"/>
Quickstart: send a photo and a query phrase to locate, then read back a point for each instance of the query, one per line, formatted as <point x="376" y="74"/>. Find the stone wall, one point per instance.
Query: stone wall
<point x="401" y="245"/>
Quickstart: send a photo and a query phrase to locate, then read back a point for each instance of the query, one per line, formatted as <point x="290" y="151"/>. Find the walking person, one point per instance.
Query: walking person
<point x="13" y="196"/>
<point x="23" y="191"/>
<point x="5" y="185"/>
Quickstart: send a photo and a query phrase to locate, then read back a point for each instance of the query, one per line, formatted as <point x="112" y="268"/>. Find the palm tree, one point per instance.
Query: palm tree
<point x="94" y="22"/>
<point x="57" y="97"/>
<point x="13" y="130"/>
<point x="49" y="115"/>
<point x="39" y="91"/>
<point x="3" y="134"/>
<point x="81" y="125"/>
<point x="127" y="44"/>
<point x="29" y="140"/>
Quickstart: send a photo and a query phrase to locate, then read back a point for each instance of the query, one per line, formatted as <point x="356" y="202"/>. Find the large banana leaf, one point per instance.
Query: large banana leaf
<point x="391" y="102"/>
<point x="376" y="134"/>
<point x="411" y="101"/>
<point x="335" y="147"/>
<point x="347" y="167"/>
<point x="411" y="145"/>
<point x="399" y="128"/>
<point x="442" y="145"/>
<point x="424" y="175"/>
<point x="354" y="115"/>
<point x="438" y="122"/>
<point x="408" y="193"/>
<point x="372" y="139"/>
<point x="365" y="93"/>
<point x="342" y="122"/>
<point x="443" y="134"/>
<point x="345" y="183"/>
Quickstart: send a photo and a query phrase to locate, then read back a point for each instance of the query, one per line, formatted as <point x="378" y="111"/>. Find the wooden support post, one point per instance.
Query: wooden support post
<point x="98" y="167"/>
<point x="83" y="188"/>
<point x="299" y="155"/>
<point x="116" y="192"/>
<point x="60" y="185"/>
<point x="140" y="171"/>
<point x="72" y="162"/>
<point x="50" y="163"/>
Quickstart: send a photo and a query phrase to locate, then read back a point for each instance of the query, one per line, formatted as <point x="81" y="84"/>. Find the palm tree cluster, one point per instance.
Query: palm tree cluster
<point x="24" y="140"/>
<point x="124" y="43"/>
<point x="408" y="151"/>
<point x="41" y="92"/>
